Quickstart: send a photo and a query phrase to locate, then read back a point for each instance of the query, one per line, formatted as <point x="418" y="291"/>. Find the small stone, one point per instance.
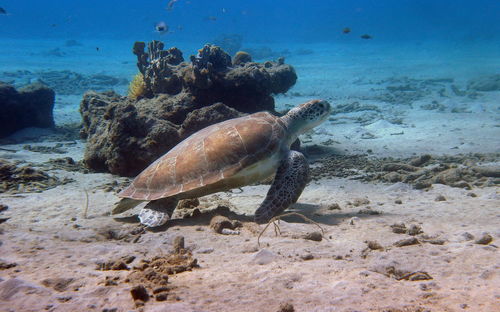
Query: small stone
<point x="3" y="207"/>
<point x="471" y="194"/>
<point x="161" y="297"/>
<point x="111" y="281"/>
<point x="418" y="276"/>
<point x="420" y="160"/>
<point x="188" y="203"/>
<point x="220" y="222"/>
<point x="314" y="236"/>
<point x="307" y="256"/>
<point x="64" y="298"/>
<point x="436" y="241"/>
<point x="286" y="307"/>
<point x="368" y="211"/>
<point x="7" y="265"/>
<point x="58" y="283"/>
<point x="360" y="201"/>
<point x="374" y="245"/>
<point x="128" y="259"/>
<point x="333" y="206"/>
<point x="398" y="201"/>
<point x="484" y="240"/>
<point x="178" y="245"/>
<point x="139" y="293"/>
<point x="414" y="230"/>
<point x="467" y="236"/>
<point x="399" y="228"/>
<point x="206" y="250"/>
<point x="440" y="198"/>
<point x="407" y="242"/>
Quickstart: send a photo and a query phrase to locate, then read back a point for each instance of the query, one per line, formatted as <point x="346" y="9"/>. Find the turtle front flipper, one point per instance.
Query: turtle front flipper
<point x="291" y="178"/>
<point x="157" y="212"/>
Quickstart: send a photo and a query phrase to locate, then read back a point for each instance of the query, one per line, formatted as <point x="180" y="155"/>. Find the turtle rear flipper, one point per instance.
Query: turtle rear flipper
<point x="289" y="182"/>
<point x="158" y="212"/>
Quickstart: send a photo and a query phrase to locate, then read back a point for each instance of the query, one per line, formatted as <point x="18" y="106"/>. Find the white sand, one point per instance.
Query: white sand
<point x="42" y="238"/>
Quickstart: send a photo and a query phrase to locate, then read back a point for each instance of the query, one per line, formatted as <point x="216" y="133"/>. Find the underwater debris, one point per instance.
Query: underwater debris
<point x="137" y="87"/>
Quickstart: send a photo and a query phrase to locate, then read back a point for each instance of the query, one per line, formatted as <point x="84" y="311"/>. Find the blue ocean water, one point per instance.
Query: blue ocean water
<point x="333" y="45"/>
<point x="255" y="20"/>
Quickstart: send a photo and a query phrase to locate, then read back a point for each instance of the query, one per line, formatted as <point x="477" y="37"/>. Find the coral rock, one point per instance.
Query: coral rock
<point x="30" y="106"/>
<point x="124" y="135"/>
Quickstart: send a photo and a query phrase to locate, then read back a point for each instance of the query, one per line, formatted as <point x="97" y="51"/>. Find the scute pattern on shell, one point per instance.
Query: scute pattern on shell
<point x="208" y="157"/>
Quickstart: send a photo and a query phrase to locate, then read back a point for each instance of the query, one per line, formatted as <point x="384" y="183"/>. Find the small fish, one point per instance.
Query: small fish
<point x="366" y="36"/>
<point x="161" y="28"/>
<point x="97" y="49"/>
<point x="170" y="4"/>
<point x="346" y="30"/>
<point x="212" y="18"/>
<point x="2" y="11"/>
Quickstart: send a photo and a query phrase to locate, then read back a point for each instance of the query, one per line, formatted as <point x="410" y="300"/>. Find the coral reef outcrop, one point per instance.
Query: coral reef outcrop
<point x="125" y="134"/>
<point x="30" y="106"/>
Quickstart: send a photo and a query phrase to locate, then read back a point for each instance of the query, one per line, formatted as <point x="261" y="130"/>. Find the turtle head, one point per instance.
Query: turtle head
<point x="306" y="116"/>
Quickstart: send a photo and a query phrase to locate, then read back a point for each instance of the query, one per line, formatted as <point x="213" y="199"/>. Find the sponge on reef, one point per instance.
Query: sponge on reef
<point x="137" y="87"/>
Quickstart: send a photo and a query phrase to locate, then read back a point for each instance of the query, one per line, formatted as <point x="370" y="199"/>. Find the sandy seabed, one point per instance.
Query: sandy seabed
<point x="62" y="252"/>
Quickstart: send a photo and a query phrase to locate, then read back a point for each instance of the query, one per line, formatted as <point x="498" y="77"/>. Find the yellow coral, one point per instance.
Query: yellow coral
<point x="137" y="87"/>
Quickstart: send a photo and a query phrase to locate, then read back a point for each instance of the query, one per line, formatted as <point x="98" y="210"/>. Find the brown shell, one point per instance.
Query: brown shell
<point x="202" y="163"/>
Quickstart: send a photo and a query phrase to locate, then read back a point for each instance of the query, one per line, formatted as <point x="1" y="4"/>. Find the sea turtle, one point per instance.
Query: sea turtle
<point x="227" y="155"/>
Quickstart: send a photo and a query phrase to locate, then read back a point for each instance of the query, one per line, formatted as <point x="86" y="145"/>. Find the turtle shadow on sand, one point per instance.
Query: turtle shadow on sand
<point x="326" y="217"/>
<point x="203" y="217"/>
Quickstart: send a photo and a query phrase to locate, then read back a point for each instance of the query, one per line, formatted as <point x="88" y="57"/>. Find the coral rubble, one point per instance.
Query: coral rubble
<point x="25" y="179"/>
<point x="30" y="106"/>
<point x="125" y="134"/>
